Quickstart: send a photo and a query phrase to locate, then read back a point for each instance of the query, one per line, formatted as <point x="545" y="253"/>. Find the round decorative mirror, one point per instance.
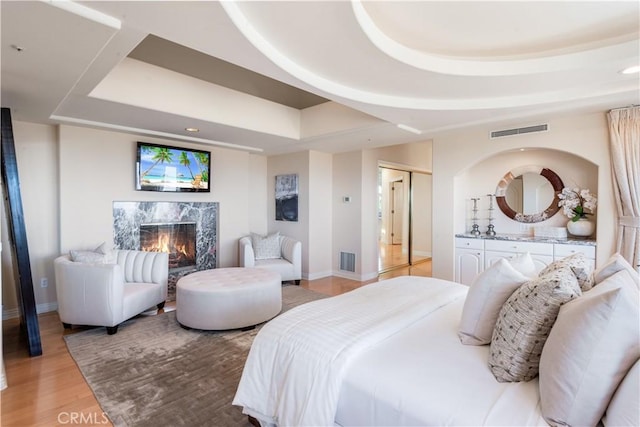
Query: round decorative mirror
<point x="529" y="194"/>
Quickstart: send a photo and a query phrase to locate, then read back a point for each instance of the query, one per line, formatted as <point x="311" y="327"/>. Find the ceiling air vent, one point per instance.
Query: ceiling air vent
<point x="519" y="131"/>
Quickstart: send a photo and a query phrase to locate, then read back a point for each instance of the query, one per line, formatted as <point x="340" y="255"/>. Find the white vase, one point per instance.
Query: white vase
<point x="582" y="227"/>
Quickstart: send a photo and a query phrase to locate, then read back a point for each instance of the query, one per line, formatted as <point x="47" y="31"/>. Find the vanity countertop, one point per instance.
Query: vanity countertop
<point x="526" y="238"/>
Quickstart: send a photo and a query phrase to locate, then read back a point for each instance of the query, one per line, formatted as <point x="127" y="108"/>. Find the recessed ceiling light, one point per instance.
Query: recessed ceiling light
<point x="631" y="70"/>
<point x="192" y="129"/>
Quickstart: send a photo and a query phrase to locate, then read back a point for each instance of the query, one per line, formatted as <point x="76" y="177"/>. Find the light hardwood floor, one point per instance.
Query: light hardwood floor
<point x="49" y="390"/>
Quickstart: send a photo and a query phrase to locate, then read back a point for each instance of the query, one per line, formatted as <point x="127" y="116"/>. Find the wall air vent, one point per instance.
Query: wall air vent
<point x="348" y="261"/>
<point x="519" y="131"/>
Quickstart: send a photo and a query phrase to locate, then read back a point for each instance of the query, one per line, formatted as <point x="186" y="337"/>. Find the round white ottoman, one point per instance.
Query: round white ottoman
<point x="228" y="298"/>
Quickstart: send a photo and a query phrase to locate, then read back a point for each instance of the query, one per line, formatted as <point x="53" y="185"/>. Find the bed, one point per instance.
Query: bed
<point x="384" y="354"/>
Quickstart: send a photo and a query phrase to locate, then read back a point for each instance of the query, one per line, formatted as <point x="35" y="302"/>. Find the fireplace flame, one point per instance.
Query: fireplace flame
<point x="163" y="245"/>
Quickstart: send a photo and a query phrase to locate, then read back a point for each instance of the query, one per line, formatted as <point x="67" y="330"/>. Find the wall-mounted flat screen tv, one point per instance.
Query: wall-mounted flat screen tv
<point x="174" y="169"/>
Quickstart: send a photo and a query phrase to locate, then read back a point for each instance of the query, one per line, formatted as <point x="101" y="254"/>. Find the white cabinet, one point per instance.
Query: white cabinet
<point x="469" y="263"/>
<point x="469" y="259"/>
<point x="474" y="255"/>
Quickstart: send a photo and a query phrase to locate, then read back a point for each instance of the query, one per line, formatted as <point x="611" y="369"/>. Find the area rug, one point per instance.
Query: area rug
<point x="154" y="372"/>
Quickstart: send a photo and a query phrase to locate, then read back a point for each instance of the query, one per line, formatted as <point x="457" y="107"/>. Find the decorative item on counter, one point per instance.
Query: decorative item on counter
<point x="575" y="203"/>
<point x="475" y="228"/>
<point x="490" y="228"/>
<point x="549" y="232"/>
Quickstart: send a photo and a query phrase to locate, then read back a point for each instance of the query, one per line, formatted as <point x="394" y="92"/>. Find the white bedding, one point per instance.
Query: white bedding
<point x="295" y="368"/>
<point x="386" y="354"/>
<point x="424" y="376"/>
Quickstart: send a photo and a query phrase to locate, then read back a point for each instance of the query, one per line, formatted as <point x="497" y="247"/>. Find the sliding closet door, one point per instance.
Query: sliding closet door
<point x="421" y="214"/>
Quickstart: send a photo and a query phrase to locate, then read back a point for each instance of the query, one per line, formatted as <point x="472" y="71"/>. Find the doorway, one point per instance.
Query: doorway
<point x="404" y="218"/>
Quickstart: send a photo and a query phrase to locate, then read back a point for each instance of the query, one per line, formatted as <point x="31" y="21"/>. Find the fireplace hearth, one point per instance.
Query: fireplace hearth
<point x="177" y="239"/>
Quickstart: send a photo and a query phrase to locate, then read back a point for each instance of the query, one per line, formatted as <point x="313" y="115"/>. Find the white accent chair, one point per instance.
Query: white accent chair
<point x="289" y="265"/>
<point x="100" y="294"/>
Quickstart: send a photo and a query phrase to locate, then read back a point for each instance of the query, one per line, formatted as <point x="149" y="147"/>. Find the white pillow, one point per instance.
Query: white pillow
<point x="107" y="251"/>
<point x="591" y="347"/>
<point x="612" y="266"/>
<point x="524" y="264"/>
<point x="487" y="294"/>
<point x="88" y="257"/>
<point x="624" y="408"/>
<point x="266" y="247"/>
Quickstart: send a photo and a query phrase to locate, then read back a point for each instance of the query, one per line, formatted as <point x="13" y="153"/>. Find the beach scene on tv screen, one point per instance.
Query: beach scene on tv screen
<point x="173" y="169"/>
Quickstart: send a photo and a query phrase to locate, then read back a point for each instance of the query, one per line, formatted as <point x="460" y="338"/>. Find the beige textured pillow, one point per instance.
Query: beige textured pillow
<point x="612" y="266"/>
<point x="591" y="347"/>
<point x="266" y="247"/>
<point x="624" y="410"/>
<point x="487" y="294"/>
<point x="524" y="323"/>
<point x="581" y="267"/>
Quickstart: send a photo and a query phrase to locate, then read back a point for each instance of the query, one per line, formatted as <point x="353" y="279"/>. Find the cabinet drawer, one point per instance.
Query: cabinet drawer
<point x="519" y="247"/>
<point x="462" y="242"/>
<point x="562" y="251"/>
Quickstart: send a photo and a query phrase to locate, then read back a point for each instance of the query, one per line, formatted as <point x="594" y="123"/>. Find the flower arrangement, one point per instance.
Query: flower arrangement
<point x="575" y="202"/>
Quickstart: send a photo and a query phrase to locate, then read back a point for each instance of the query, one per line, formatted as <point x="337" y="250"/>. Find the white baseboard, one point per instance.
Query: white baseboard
<point x="40" y="308"/>
<point x="315" y="276"/>
<point x="423" y="253"/>
<point x="355" y="276"/>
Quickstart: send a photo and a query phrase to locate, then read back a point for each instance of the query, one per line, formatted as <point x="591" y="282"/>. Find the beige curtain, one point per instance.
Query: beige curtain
<point x="624" y="131"/>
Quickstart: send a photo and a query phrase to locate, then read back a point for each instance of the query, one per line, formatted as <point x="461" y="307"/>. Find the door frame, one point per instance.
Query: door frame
<point x="410" y="170"/>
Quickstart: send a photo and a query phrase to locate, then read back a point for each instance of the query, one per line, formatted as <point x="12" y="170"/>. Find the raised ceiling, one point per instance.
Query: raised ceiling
<point x="172" y="56"/>
<point x="276" y="77"/>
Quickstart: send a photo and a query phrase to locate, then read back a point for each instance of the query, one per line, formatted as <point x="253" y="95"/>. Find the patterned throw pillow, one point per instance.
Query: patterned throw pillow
<point x="581" y="267"/>
<point x="524" y="323"/>
<point x="266" y="247"/>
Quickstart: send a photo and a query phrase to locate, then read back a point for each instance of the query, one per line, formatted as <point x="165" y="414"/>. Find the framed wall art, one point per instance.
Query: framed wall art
<point x="287" y="197"/>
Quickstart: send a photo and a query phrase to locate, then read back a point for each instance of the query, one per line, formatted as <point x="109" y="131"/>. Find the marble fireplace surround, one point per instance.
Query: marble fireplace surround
<point x="128" y="216"/>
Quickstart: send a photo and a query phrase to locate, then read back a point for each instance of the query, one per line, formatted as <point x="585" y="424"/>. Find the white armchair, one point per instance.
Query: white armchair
<point x="100" y="294"/>
<point x="287" y="261"/>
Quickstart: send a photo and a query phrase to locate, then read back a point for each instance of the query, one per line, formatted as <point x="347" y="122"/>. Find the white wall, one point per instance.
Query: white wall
<point x="482" y="178"/>
<point x="346" y="236"/>
<point x="355" y="224"/>
<point x="286" y="164"/>
<point x="70" y="179"/>
<point x="320" y="218"/>
<point x="36" y="153"/>
<point x="455" y="155"/>
<point x="313" y="227"/>
<point x="257" y="197"/>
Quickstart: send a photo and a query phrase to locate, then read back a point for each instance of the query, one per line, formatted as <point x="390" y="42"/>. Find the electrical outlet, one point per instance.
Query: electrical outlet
<point x="44" y="282"/>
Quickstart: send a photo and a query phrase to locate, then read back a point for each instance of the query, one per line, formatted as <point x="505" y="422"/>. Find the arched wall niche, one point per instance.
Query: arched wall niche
<point x="481" y="179"/>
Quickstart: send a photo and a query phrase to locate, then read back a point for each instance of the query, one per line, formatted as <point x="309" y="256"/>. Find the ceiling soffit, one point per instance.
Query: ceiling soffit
<point x="172" y="56"/>
<point x="423" y="81"/>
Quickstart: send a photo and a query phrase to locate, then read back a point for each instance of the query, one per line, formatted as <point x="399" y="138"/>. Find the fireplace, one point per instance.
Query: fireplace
<point x="129" y="219"/>
<point x="178" y="239"/>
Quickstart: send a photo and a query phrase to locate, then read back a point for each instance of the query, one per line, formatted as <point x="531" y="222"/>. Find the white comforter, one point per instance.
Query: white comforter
<point x="295" y="368"/>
